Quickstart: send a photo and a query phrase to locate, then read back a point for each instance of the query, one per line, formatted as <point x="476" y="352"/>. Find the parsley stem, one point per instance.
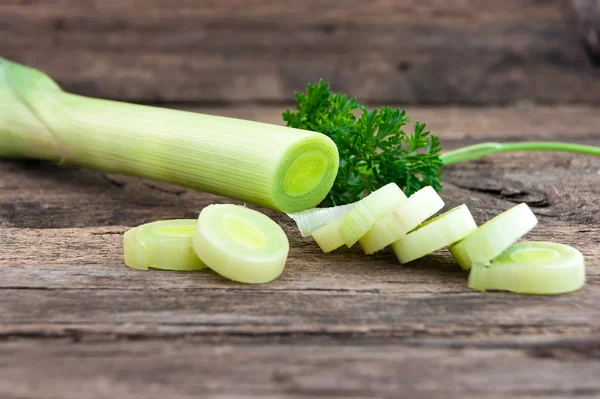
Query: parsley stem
<point x="475" y="151"/>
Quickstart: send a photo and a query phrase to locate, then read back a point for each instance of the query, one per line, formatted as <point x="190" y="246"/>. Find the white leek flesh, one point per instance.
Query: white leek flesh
<point x="542" y="268"/>
<point x="407" y="216"/>
<point x="166" y="244"/>
<point x="241" y="244"/>
<point x="494" y="236"/>
<point x="312" y="219"/>
<point x="329" y="237"/>
<point x="366" y="212"/>
<point x="437" y="233"/>
<point x="268" y="165"/>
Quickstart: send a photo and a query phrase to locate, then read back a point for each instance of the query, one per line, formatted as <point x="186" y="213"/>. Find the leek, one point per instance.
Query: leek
<point x="268" y="165"/>
<point x="366" y="212"/>
<point x="166" y="245"/>
<point x="531" y="268"/>
<point x="240" y="244"/>
<point x="437" y="233"/>
<point x="494" y="236"/>
<point x="312" y="219"/>
<point x="407" y="216"/>
<point x="329" y="236"/>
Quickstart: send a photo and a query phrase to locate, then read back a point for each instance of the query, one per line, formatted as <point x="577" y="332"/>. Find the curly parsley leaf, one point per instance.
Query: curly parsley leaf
<point x="373" y="146"/>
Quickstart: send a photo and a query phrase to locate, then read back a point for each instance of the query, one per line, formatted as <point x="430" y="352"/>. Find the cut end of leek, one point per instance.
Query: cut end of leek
<point x="366" y="212"/>
<point x="437" y="233"/>
<point x="306" y="174"/>
<point x="542" y="268"/>
<point x="493" y="237"/>
<point x="408" y="215"/>
<point x="241" y="244"/>
<point x="166" y="245"/>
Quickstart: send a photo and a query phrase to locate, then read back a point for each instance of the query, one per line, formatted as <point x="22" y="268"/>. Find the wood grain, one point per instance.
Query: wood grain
<point x="181" y="370"/>
<point x="75" y="321"/>
<point x="468" y="52"/>
<point x="588" y="14"/>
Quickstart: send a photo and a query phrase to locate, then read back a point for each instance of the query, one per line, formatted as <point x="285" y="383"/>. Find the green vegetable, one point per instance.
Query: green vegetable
<point x="267" y="165"/>
<point x="241" y="244"/>
<point x="329" y="237"/>
<point x="494" y="236"/>
<point x="406" y="217"/>
<point x="375" y="150"/>
<point x="437" y="233"/>
<point x="475" y="151"/>
<point x="312" y="219"/>
<point x="366" y="212"/>
<point x="531" y="268"/>
<point x="359" y="218"/>
<point x="166" y="244"/>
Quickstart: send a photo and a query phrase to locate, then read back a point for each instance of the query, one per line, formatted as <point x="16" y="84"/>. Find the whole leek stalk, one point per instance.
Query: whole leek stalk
<point x="268" y="165"/>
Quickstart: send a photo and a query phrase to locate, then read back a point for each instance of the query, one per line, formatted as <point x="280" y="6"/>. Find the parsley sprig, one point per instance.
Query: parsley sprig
<point x="373" y="146"/>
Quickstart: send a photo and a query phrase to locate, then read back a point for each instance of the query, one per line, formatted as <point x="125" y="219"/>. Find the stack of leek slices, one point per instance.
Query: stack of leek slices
<point x="244" y="245"/>
<point x="490" y="252"/>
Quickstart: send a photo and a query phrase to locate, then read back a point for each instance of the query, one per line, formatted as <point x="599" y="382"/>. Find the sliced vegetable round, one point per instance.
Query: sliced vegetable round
<point x="166" y="244"/>
<point x="437" y="233"/>
<point x="240" y="243"/>
<point x="493" y="237"/>
<point x="328" y="237"/>
<point x="408" y="215"/>
<point x="366" y="212"/>
<point x="532" y="268"/>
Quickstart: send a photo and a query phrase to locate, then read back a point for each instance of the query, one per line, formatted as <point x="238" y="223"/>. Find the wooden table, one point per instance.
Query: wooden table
<point x="76" y="323"/>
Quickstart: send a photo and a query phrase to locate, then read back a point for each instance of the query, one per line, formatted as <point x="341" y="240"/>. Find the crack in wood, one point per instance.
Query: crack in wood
<point x="112" y="181"/>
<point x="171" y="190"/>
<point x="455" y="337"/>
<point x="101" y="233"/>
<point x="368" y="291"/>
<point x="532" y="197"/>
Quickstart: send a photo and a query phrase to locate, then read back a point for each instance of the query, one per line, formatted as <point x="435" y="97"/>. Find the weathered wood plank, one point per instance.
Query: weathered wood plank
<point x="332" y="326"/>
<point x="250" y="311"/>
<point x="179" y="370"/>
<point x="413" y="52"/>
<point x="91" y="258"/>
<point x="75" y="319"/>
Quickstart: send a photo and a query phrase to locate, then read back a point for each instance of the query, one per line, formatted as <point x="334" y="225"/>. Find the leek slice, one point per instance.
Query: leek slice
<point x="166" y="245"/>
<point x="436" y="233"/>
<point x="241" y="244"/>
<point x="312" y="219"/>
<point x="494" y="236"/>
<point x="366" y="212"/>
<point x="329" y="237"/>
<point x="264" y="164"/>
<point x="407" y="216"/>
<point x="531" y="268"/>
